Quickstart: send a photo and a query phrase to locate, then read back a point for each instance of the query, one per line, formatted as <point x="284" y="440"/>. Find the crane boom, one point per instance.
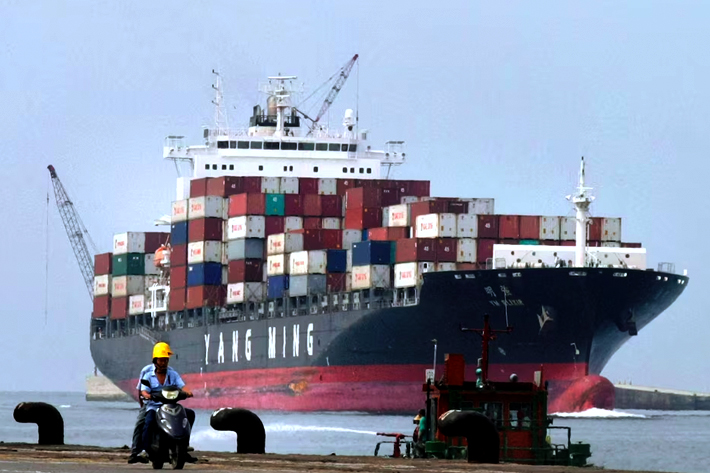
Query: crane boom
<point x="75" y="231"/>
<point x="340" y="81"/>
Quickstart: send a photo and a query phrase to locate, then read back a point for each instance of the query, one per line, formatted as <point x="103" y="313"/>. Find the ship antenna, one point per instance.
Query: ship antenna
<point x="220" y="118"/>
<point x="581" y="201"/>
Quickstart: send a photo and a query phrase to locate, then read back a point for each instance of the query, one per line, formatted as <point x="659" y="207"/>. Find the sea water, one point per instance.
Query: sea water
<point x="634" y="440"/>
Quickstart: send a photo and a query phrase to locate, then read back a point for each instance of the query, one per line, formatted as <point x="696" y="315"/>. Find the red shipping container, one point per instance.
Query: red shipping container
<point x="102" y="306"/>
<point x="567" y="243"/>
<point x="102" y="263"/>
<point x="508" y="226"/>
<point x="251" y="184"/>
<point x="456" y="207"/>
<point x="389" y="196"/>
<point x="274" y="224"/>
<point x="224" y="186"/>
<point x="178" y="256"/>
<point x="205" y="296"/>
<point x="510" y="241"/>
<point x="308" y="185"/>
<point x="312" y="223"/>
<point x="178" y="278"/>
<point x="198" y="187"/>
<point x="205" y="229"/>
<point x="387" y="233"/>
<point x="446" y="250"/>
<point x="419" y="189"/>
<point x="631" y="245"/>
<point x="359" y="197"/>
<point x="342" y="185"/>
<point x="293" y="205"/>
<point x="331" y="206"/>
<point x="176" y="301"/>
<point x="529" y="227"/>
<point x="245" y="270"/>
<point x="594" y="232"/>
<point x="362" y="218"/>
<point x="322" y="240"/>
<point x="250" y="203"/>
<point x="119" y="308"/>
<point x="370" y="183"/>
<point x="416" y="249"/>
<point x="335" y="282"/>
<point x="485" y="249"/>
<point x="427" y="207"/>
<point x="312" y="205"/>
<point x="550" y="242"/>
<point x="153" y="240"/>
<point x="487" y="227"/>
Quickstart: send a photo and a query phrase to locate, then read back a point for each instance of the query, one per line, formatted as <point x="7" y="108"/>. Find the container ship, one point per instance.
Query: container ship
<point x="298" y="276"/>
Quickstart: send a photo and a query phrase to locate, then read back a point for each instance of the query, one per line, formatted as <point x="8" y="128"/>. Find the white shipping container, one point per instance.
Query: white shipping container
<point x="331" y="223"/>
<point x="611" y="244"/>
<point x="348" y="282"/>
<point x="549" y="228"/>
<point x="136" y="304"/>
<point x="385" y="217"/>
<point x="327" y="186"/>
<point x="275" y="244"/>
<point x="467" y="226"/>
<point x="204" y="252"/>
<point x="398" y="215"/>
<point x="568" y="228"/>
<point x="298" y="263"/>
<point x="445" y="267"/>
<point x="317" y="261"/>
<point x="246" y="226"/>
<point x="122" y="286"/>
<point x="150" y="264"/>
<point x="371" y="276"/>
<point x="481" y="206"/>
<point x="611" y="229"/>
<point x="270" y="185"/>
<point x="179" y="213"/>
<point x="409" y="199"/>
<point x="210" y="206"/>
<point x="350" y="237"/>
<point x="129" y="242"/>
<point x="225" y="255"/>
<point x="289" y="185"/>
<point x="293" y="223"/>
<point x="405" y="275"/>
<point x="293" y="242"/>
<point x="436" y="226"/>
<point x="276" y="265"/>
<point x="466" y="250"/>
<point x="102" y="285"/>
<point x="245" y="292"/>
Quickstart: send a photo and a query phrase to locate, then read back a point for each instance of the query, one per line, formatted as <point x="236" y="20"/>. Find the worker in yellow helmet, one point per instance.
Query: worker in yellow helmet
<point x="159" y="374"/>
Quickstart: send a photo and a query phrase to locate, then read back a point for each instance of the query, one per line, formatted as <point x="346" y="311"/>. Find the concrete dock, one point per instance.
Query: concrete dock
<point x="51" y="459"/>
<point x="100" y="388"/>
<point x="659" y="399"/>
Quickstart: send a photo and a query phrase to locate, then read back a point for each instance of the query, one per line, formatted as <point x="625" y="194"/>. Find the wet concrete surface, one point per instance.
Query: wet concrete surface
<point x="41" y="459"/>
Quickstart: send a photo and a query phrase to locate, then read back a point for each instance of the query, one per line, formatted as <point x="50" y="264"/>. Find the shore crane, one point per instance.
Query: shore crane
<point x="76" y="231"/>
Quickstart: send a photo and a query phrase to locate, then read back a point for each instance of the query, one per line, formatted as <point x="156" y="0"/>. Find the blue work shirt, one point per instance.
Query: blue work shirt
<point x="172" y="378"/>
<point x="145" y="369"/>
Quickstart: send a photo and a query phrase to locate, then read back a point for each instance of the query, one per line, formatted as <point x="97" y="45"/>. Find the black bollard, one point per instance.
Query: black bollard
<point x="48" y="419"/>
<point x="481" y="434"/>
<point x="251" y="436"/>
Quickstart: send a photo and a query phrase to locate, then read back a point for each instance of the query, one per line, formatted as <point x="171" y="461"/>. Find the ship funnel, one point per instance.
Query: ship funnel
<point x="271" y="102"/>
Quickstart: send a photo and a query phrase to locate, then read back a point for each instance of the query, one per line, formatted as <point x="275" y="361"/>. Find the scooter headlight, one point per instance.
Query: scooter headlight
<point x="170" y="394"/>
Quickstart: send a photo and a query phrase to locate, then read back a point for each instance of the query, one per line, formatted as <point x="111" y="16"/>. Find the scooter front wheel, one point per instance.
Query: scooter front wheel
<point x="178" y="455"/>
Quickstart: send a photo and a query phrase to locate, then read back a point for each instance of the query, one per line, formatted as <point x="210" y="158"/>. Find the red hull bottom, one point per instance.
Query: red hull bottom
<point x="372" y="388"/>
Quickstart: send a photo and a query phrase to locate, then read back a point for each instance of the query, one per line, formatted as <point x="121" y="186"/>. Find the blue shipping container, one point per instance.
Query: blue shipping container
<point x="372" y="252"/>
<point x="178" y="233"/>
<point x="337" y="261"/>
<point x="204" y="274"/>
<point x="276" y="287"/>
<point x="365" y="234"/>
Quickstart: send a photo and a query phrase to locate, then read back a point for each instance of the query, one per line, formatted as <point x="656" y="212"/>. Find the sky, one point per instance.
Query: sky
<point x="493" y="99"/>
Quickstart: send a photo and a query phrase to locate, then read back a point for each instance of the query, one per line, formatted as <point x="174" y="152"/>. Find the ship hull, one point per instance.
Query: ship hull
<point x="567" y="322"/>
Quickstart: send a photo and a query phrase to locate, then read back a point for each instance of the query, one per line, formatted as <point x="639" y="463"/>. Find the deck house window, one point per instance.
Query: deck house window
<point x="321" y="146"/>
<point x="306" y="146"/>
<point x="257" y="144"/>
<point x="334" y="147"/>
<point x="243" y="145"/>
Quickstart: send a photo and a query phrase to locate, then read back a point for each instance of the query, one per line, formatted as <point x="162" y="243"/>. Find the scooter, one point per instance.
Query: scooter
<point x="171" y="432"/>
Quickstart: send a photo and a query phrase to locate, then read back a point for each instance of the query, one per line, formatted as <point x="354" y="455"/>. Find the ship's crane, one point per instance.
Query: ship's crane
<point x="76" y="231"/>
<point x="342" y="76"/>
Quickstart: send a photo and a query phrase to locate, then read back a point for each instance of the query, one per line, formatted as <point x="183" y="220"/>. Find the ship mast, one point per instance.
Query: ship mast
<point x="581" y="200"/>
<point x="220" y="118"/>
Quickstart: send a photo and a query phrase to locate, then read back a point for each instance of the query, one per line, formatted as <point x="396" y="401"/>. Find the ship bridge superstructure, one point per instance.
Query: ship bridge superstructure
<point x="278" y="144"/>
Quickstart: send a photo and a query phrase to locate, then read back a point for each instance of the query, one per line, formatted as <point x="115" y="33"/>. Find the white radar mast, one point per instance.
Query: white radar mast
<point x="220" y="118"/>
<point x="280" y="89"/>
<point x="581" y="200"/>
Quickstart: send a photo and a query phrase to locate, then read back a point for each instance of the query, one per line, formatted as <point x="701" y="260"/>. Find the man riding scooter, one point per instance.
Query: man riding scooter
<point x="159" y="376"/>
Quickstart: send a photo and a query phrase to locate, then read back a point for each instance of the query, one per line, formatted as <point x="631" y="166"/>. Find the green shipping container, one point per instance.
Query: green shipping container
<point x="129" y="264"/>
<point x="529" y="242"/>
<point x="275" y="204"/>
<point x="393" y="252"/>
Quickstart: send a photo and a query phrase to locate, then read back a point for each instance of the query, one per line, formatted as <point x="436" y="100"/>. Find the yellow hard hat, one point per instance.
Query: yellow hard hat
<point x="161" y="350"/>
